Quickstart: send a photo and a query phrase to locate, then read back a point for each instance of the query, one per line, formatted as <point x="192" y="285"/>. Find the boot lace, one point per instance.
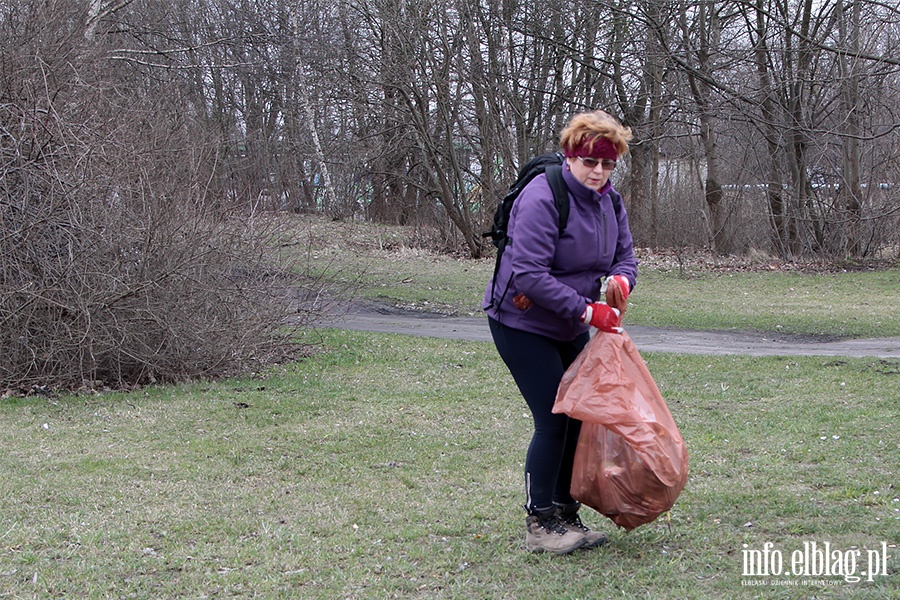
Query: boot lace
<point x="552" y="524"/>
<point x="575" y="521"/>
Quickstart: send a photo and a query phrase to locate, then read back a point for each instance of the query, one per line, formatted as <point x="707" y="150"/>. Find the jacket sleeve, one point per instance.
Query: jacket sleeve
<point x="533" y="250"/>
<point x="625" y="262"/>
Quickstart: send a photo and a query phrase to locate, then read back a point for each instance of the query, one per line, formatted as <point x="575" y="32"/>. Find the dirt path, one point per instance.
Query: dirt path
<point x="383" y="319"/>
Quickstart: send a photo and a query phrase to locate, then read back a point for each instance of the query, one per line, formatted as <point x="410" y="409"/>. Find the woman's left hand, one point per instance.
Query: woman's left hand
<point x="617" y="289"/>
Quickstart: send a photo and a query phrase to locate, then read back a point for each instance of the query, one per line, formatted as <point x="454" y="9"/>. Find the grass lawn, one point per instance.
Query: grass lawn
<point x="389" y="466"/>
<point x="694" y="293"/>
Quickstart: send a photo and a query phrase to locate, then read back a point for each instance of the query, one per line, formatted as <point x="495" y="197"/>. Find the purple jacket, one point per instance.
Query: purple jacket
<point x="559" y="274"/>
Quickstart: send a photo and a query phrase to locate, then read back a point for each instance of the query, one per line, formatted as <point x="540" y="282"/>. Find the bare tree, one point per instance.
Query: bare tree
<point x="132" y="135"/>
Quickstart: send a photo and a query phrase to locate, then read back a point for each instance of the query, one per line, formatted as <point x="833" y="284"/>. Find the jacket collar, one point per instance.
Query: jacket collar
<point x="581" y="191"/>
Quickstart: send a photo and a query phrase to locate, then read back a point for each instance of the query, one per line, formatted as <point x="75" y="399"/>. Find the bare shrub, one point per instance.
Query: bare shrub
<point x="134" y="298"/>
<point x="119" y="263"/>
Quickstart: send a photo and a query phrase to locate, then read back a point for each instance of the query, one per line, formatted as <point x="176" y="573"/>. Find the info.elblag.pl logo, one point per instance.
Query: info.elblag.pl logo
<point x="815" y="560"/>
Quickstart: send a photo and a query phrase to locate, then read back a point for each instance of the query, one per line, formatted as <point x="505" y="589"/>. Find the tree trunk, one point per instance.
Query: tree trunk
<point x="850" y="188"/>
<point x="307" y="111"/>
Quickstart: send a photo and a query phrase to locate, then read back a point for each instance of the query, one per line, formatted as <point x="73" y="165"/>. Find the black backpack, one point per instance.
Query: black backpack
<point x="551" y="164"/>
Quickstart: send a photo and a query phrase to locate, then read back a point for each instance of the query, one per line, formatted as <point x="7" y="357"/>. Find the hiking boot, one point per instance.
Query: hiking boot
<point x="544" y="532"/>
<point x="568" y="516"/>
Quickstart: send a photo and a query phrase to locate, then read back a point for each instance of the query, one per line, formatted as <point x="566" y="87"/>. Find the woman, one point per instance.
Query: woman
<point x="547" y="287"/>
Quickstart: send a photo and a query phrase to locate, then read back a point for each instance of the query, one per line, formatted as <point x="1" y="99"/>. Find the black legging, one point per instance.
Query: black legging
<point x="537" y="364"/>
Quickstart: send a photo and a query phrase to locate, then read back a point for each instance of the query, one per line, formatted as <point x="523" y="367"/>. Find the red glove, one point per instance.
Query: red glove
<point x="617" y="289"/>
<point x="602" y="316"/>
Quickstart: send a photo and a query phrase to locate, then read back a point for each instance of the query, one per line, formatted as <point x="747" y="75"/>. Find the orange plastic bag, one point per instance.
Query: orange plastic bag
<point x="631" y="463"/>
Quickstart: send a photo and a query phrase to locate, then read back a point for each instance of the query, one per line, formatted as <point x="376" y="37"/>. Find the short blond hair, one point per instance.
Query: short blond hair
<point x="585" y="128"/>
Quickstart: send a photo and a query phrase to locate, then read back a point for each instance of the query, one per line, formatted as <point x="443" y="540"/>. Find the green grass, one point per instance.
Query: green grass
<point x="380" y="263"/>
<point x="383" y="266"/>
<point x="390" y="467"/>
<point x="846" y="304"/>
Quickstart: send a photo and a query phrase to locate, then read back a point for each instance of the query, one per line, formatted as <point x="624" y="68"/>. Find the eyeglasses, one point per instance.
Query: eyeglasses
<point x="591" y="163"/>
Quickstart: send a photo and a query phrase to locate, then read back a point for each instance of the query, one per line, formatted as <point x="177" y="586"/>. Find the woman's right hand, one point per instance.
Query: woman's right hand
<point x="602" y="316"/>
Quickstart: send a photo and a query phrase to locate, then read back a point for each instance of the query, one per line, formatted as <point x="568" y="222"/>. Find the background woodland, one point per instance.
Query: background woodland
<point x="140" y="142"/>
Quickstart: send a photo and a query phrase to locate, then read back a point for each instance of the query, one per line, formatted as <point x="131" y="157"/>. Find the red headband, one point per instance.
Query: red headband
<point x="602" y="148"/>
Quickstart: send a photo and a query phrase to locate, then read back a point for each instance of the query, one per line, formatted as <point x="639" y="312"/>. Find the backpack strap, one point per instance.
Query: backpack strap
<point x="617" y="205"/>
<point x="560" y="194"/>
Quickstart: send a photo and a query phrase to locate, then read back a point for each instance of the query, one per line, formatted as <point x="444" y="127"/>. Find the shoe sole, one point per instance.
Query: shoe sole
<point x="597" y="544"/>
<point x="561" y="552"/>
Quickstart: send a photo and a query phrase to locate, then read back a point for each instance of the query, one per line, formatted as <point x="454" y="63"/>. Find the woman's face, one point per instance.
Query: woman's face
<point x="592" y="172"/>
